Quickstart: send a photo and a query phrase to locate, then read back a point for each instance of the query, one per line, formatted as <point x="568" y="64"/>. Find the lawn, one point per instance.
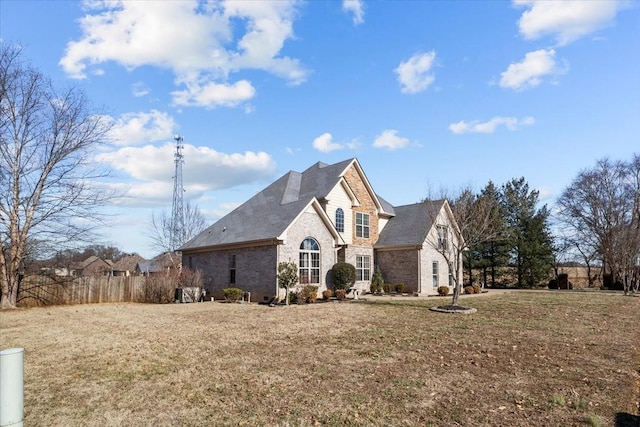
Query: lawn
<point x="524" y="359"/>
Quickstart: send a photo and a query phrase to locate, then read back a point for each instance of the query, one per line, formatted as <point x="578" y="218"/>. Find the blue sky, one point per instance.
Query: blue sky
<point x="426" y="94"/>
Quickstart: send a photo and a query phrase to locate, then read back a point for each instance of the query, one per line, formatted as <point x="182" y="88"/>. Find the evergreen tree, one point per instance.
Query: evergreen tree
<point x="527" y="232"/>
<point x="490" y="256"/>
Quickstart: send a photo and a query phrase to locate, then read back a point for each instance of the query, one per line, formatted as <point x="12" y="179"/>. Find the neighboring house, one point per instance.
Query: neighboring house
<point x="324" y="215"/>
<point x="163" y="263"/>
<point x="127" y="265"/>
<point x="92" y="266"/>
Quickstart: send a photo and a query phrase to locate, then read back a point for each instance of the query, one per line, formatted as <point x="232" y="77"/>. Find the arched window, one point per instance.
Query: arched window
<point x="340" y="220"/>
<point x="309" y="265"/>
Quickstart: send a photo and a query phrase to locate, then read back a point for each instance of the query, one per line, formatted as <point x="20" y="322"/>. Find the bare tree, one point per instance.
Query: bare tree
<point x="46" y="140"/>
<point x="601" y="208"/>
<point x="475" y="225"/>
<point x="159" y="231"/>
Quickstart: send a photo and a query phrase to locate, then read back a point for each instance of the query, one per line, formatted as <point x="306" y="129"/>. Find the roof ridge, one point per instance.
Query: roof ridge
<point x="291" y="191"/>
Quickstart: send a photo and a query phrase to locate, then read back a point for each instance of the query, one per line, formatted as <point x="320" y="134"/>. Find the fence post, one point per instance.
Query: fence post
<point x="11" y="387"/>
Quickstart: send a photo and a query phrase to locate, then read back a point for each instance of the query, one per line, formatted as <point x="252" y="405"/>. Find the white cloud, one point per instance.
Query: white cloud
<point x="531" y="70"/>
<point x="326" y="144"/>
<point x="415" y="74"/>
<point x="356" y="7"/>
<point x="212" y="94"/>
<point x="511" y="123"/>
<point x="565" y="20"/>
<point x="390" y="140"/>
<point x="141" y="127"/>
<point x="202" y="43"/>
<point x="139" y="89"/>
<point x="151" y="169"/>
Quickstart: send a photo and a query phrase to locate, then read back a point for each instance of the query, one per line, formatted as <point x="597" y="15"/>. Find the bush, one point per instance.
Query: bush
<point x="377" y="281"/>
<point x="386" y="288"/>
<point x="232" y="294"/>
<point x="341" y="294"/>
<point x="443" y="291"/>
<point x="477" y="289"/>
<point x="468" y="290"/>
<point x="399" y="287"/>
<point x="293" y="298"/>
<point x="309" y="293"/>
<point x="327" y="294"/>
<point x="159" y="289"/>
<point x="344" y="275"/>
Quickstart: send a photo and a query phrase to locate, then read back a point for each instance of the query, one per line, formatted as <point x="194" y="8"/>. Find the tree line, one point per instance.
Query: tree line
<point x="596" y="222"/>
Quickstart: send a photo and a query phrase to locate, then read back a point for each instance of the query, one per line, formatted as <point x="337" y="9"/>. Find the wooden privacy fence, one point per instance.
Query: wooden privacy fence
<point x="44" y="290"/>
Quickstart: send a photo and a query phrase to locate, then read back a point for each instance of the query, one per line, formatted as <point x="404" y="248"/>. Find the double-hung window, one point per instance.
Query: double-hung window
<point x="362" y="225"/>
<point x="363" y="267"/>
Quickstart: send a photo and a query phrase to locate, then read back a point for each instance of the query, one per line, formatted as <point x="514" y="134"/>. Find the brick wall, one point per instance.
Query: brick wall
<point x="399" y="266"/>
<point x="256" y="270"/>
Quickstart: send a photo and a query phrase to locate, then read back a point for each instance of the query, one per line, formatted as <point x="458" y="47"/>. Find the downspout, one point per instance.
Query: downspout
<point x="277" y="294"/>
<point x="419" y="270"/>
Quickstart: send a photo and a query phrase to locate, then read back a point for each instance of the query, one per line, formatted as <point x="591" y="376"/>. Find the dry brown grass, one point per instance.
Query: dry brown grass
<point x="524" y="358"/>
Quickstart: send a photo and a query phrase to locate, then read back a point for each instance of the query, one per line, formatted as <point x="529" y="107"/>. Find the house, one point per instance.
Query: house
<point x="316" y="218"/>
<point x="126" y="266"/>
<point x="163" y="263"/>
<point x="92" y="266"/>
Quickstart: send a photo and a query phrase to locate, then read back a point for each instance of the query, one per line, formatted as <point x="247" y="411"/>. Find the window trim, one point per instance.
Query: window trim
<point x="435" y="274"/>
<point x="363" y="272"/>
<point x="362" y="229"/>
<point x="443" y="237"/>
<point x="309" y="261"/>
<point x="340" y="220"/>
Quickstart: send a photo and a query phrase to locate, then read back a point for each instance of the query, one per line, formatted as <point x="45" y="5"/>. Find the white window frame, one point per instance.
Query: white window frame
<point x="340" y="220"/>
<point x="363" y="224"/>
<point x="309" y="261"/>
<point x="435" y="274"/>
<point x="363" y="268"/>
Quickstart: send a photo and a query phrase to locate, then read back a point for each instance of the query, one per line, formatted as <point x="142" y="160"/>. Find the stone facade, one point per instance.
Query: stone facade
<point x="367" y="206"/>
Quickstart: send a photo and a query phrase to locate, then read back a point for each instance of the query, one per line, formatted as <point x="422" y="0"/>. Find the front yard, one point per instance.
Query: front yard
<point x="525" y="358"/>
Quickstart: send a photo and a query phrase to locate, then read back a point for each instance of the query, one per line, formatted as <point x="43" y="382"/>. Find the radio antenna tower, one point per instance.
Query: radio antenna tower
<point x="177" y="232"/>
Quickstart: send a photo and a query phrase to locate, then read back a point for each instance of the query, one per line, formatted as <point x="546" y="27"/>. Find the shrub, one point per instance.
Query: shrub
<point x="468" y="290"/>
<point x="377" y="281"/>
<point x="327" y="294"/>
<point x="443" y="290"/>
<point x="344" y="275"/>
<point x="477" y="289"/>
<point x="232" y="294"/>
<point x="309" y="293"/>
<point x="341" y="294"/>
<point x="159" y="289"/>
<point x="386" y="288"/>
<point x="293" y="298"/>
<point x="399" y="287"/>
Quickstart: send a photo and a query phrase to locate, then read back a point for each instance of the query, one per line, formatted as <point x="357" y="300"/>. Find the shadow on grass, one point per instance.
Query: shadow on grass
<point x="624" y="419"/>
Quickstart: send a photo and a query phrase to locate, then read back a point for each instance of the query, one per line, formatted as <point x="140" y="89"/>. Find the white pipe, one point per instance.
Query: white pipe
<point x="11" y="387"/>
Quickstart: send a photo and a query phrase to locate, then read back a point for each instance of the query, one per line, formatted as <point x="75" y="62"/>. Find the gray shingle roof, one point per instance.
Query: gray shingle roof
<point x="410" y="224"/>
<point x="267" y="214"/>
